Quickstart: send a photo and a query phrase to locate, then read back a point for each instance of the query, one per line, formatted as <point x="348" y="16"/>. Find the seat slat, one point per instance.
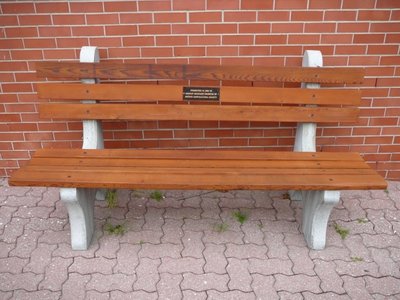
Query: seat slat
<point x="106" y="70"/>
<point x="197" y="112"/>
<point x="142" y="92"/>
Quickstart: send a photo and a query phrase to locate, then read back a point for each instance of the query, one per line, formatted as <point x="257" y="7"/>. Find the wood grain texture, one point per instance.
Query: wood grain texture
<point x="114" y="70"/>
<point x="100" y="169"/>
<point x="196" y="112"/>
<point x="142" y="92"/>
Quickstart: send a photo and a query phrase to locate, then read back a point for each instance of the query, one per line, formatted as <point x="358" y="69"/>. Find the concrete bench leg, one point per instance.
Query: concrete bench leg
<point x="317" y="206"/>
<point x="80" y="206"/>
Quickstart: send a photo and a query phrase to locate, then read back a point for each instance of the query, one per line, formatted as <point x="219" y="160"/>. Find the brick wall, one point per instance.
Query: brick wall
<point x="249" y="32"/>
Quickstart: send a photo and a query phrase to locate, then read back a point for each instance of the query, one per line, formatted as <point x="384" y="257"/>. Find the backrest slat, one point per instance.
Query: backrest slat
<point x="143" y="92"/>
<point x="113" y="70"/>
<point x="197" y="112"/>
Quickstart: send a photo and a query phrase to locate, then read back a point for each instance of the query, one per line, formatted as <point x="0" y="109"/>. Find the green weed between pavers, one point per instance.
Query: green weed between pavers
<point x="356" y="259"/>
<point x="111" y="198"/>
<point x="221" y="227"/>
<point x="118" y="229"/>
<point x="386" y="191"/>
<point x="362" y="220"/>
<point x="240" y="217"/>
<point x="157" y="195"/>
<point x="343" y="232"/>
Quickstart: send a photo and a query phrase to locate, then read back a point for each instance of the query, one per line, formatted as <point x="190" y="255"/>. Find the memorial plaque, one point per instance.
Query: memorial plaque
<point x="201" y="93"/>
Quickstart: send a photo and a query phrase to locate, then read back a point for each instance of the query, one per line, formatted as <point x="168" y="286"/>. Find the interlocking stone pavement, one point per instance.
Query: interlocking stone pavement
<point x="190" y="246"/>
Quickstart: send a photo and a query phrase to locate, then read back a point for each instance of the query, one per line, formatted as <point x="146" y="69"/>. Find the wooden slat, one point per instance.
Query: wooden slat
<point x="195" y="154"/>
<point x="198" y="72"/>
<point x="196" y="112"/>
<point x="209" y="182"/>
<point x="141" y="92"/>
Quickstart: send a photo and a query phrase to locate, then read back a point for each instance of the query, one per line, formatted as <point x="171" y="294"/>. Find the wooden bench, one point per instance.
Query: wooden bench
<point x="315" y="178"/>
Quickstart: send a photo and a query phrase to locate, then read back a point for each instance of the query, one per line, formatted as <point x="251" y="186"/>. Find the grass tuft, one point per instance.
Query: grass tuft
<point x="240" y="217"/>
<point x="111" y="198"/>
<point x="342" y="231"/>
<point x="157" y="195"/>
<point x="115" y="229"/>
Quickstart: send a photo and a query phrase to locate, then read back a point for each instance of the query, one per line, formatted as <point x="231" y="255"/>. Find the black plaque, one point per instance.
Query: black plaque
<point x="201" y="93"/>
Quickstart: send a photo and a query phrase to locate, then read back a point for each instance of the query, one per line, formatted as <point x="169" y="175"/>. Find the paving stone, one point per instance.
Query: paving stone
<point x="302" y="263"/>
<point x="40" y="258"/>
<point x="5" y="249"/>
<point x="192" y="295"/>
<point x="169" y="286"/>
<point x="270" y="266"/>
<point x="55" y="237"/>
<point x="387" y="267"/>
<point x="381" y="240"/>
<point x="109" y="246"/>
<point x="283" y="209"/>
<point x="6" y="213"/>
<point x="172" y="231"/>
<point x="60" y="211"/>
<point x="40" y="224"/>
<point x="357" y="249"/>
<point x="111" y="282"/>
<point x="160" y="250"/>
<point x="6" y="295"/>
<point x="33" y="212"/>
<point x="49" y="197"/>
<point x="182" y="213"/>
<point x="26" y="243"/>
<point x="181" y="265"/>
<point x="237" y="202"/>
<point x="294" y="239"/>
<point x="394" y="253"/>
<point x="210" y="208"/>
<point x="153" y="218"/>
<point x="276" y="247"/>
<point x="142" y="295"/>
<point x="380" y="224"/>
<point x="95" y="295"/>
<point x="253" y="233"/>
<point x="13" y="229"/>
<point x="246" y="251"/>
<point x="290" y="296"/>
<point x="297" y="283"/>
<point x="204" y="282"/>
<point x="142" y="236"/>
<point x="377" y="203"/>
<point x="385" y="286"/>
<point x="263" y="287"/>
<point x="355" y="287"/>
<point x="262" y="214"/>
<point x="64" y="250"/>
<point x="324" y="296"/>
<point x="281" y="226"/>
<point x="262" y="199"/>
<point x="356" y="268"/>
<point x="198" y="225"/>
<point x="330" y="280"/>
<point x="193" y="244"/>
<point x="56" y="274"/>
<point x="75" y="286"/>
<point x="215" y="295"/>
<point x="127" y="259"/>
<point x="39" y="295"/>
<point x="216" y="261"/>
<point x="192" y="201"/>
<point x="21" y="201"/>
<point x="223" y="237"/>
<point x="238" y="271"/>
<point x="330" y="253"/>
<point x="147" y="275"/>
<point x="84" y="265"/>
<point x="13" y="191"/>
<point x="25" y="281"/>
<point x="12" y="265"/>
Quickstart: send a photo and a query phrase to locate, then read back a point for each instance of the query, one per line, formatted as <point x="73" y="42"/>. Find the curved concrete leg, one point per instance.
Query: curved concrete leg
<point x="317" y="206"/>
<point x="80" y="206"/>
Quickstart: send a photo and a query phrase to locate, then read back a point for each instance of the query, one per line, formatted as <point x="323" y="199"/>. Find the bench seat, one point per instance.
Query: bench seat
<point x="197" y="169"/>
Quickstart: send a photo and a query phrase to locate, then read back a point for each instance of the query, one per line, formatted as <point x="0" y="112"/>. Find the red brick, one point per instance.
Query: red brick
<point x="188" y="5"/>
<point x="257" y="4"/>
<point x="188" y="133"/>
<point x="378" y="140"/>
<point x="204" y="40"/>
<point x="287" y="27"/>
<point x="84" y="7"/>
<point x="353" y="27"/>
<point x="383" y="121"/>
<point x="34" y="19"/>
<point x="9" y="20"/>
<point x="222" y="51"/>
<point x="221" y="28"/>
<point x="16" y="87"/>
<point x="106" y="42"/>
<point x="286" y="50"/>
<point x="383" y="49"/>
<point x="102" y="19"/>
<point x="187" y="29"/>
<point x="12" y="32"/>
<point x="237" y="39"/>
<point x="303" y="39"/>
<point x="242" y="16"/>
<point x="233" y="142"/>
<point x="154" y="29"/>
<point x="320" y="27"/>
<point x="26" y="54"/>
<point x="136" y="18"/>
<point x="322" y="4"/>
<point x="59" y="54"/>
<point x="385" y="27"/>
<point x="350" y="49"/>
<point x="72" y="42"/>
<point x="253" y="28"/>
<point x="14" y="136"/>
<point x="387" y="4"/>
<point x="202" y="143"/>
<point x="222" y="4"/>
<point x="121" y="30"/>
<point x="119" y="6"/>
<point x="389" y="148"/>
<point x="170" y="18"/>
<point x="204" y="60"/>
<point x="254" y="50"/>
<point x="290" y="4"/>
<point x="138" y="41"/>
<point x="17" y="8"/>
<point x="363" y="60"/>
<point x="52" y="7"/>
<point x="88" y="31"/>
<point x="123" y="52"/>
<point x="271" y="39"/>
<point x="392" y="38"/>
<point x="358" y="4"/>
<point x="205" y="16"/>
<point x="11" y="43"/>
<point x="154" y="5"/>
<point x="395" y="16"/>
<point x="306" y="16"/>
<point x="368" y="38"/>
<point x="55" y="31"/>
<point x="158" y="134"/>
<point x="52" y="126"/>
<point x="173" y="124"/>
<point x="373" y="15"/>
<point x="157" y="52"/>
<point x="189" y="51"/>
<point x="129" y="134"/>
<point x="393" y="111"/>
<point x="69" y="19"/>
<point x="268" y="16"/>
<point x="336" y="39"/>
<point x="340" y="15"/>
<point x="173" y="143"/>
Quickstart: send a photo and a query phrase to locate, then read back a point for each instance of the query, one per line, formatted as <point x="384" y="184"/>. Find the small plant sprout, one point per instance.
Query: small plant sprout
<point x="356" y="259"/>
<point x="343" y="232"/>
<point x="157" y="195"/>
<point x="111" y="198"/>
<point x="240" y="217"/>
<point x="114" y="229"/>
<point x="362" y="220"/>
<point x="221" y="227"/>
<point x="386" y="191"/>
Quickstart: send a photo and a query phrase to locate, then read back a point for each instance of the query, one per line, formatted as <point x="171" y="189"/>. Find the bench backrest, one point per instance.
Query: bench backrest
<point x="155" y="98"/>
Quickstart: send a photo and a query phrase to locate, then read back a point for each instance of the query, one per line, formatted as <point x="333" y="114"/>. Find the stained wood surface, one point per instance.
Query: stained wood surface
<point x="196" y="112"/>
<point x="114" y="70"/>
<point x="142" y="92"/>
<point x="165" y="169"/>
